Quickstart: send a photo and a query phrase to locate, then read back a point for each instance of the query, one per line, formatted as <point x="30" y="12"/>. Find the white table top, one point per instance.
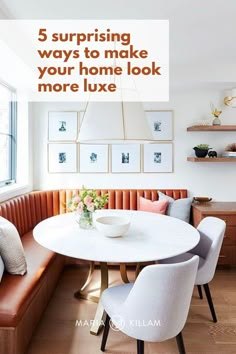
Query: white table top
<point x="150" y="237"/>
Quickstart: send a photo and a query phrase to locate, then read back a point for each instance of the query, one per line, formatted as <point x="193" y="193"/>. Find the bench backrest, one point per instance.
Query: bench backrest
<point x="27" y="210"/>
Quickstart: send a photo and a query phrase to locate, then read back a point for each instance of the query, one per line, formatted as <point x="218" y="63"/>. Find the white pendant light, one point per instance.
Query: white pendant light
<point x="114" y="122"/>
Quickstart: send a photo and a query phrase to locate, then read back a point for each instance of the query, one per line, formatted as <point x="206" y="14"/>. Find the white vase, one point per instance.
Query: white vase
<point x="216" y="121"/>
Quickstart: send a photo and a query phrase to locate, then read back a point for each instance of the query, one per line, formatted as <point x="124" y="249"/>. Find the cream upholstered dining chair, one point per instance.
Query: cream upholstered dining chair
<point x="155" y="307"/>
<point x="211" y="231"/>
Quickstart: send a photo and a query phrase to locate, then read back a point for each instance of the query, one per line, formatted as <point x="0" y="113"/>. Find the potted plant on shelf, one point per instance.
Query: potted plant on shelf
<point x="201" y="150"/>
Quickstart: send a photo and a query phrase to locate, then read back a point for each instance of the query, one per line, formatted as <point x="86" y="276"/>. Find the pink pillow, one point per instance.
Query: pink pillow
<point x="158" y="206"/>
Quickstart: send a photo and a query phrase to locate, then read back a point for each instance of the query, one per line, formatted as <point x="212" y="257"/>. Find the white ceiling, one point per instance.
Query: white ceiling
<point x="202" y="33"/>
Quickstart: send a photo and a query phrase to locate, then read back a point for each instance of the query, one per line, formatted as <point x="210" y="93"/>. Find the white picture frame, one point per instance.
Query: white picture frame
<point x="62" y="126"/>
<point x="160" y="124"/>
<point x="158" y="158"/>
<point x="62" y="158"/>
<point x="125" y="158"/>
<point x="93" y="158"/>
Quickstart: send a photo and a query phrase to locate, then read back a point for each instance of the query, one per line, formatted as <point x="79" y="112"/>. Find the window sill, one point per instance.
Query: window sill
<point x="13" y="190"/>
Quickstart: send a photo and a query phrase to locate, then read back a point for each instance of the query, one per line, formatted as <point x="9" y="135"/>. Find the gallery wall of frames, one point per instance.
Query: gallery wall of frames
<point x="67" y="155"/>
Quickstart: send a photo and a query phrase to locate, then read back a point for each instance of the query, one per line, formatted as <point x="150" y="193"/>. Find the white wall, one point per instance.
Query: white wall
<point x="201" y="51"/>
<point x="216" y="180"/>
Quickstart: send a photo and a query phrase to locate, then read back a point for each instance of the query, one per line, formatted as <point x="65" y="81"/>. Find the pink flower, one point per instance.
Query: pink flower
<point x="80" y="208"/>
<point x="90" y="207"/>
<point x="88" y="200"/>
<point x="76" y="200"/>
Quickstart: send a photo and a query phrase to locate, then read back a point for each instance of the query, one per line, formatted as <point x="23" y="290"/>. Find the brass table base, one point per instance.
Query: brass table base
<point x="123" y="272"/>
<point x="82" y="294"/>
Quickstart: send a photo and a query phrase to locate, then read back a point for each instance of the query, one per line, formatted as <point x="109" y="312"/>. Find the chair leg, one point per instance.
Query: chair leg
<point x="210" y="302"/>
<point x="180" y="343"/>
<point x="105" y="333"/>
<point x="200" y="291"/>
<point x="140" y="346"/>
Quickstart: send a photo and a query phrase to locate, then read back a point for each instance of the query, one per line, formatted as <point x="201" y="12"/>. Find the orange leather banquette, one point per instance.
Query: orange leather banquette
<point x="24" y="298"/>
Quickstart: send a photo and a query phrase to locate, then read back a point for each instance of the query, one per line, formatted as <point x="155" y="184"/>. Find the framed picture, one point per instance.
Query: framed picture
<point x="157" y="158"/>
<point x="93" y="158"/>
<point x="62" y="126"/>
<point x="125" y="158"/>
<point x="160" y="124"/>
<point x="62" y="158"/>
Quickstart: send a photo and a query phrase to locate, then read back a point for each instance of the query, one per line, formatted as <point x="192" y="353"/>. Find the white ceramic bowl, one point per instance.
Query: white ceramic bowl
<point x="229" y="154"/>
<point x="112" y="226"/>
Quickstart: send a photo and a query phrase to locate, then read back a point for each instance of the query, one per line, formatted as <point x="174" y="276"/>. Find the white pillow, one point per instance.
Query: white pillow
<point x="1" y="268"/>
<point x="11" y="248"/>
<point x="179" y="208"/>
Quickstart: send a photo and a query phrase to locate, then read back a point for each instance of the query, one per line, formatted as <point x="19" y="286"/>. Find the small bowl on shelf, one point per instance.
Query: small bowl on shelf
<point x="202" y="199"/>
<point x="112" y="226"/>
<point x="229" y="154"/>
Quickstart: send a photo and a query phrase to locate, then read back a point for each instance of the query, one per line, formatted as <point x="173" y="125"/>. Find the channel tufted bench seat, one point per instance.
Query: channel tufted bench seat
<point x="23" y="299"/>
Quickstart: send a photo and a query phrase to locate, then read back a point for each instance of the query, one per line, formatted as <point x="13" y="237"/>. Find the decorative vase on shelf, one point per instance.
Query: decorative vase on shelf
<point x="201" y="150"/>
<point x="216" y="113"/>
<point x="85" y="219"/>
<point x="216" y="121"/>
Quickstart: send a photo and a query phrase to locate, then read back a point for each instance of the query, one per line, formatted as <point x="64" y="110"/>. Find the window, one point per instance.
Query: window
<point x="7" y="135"/>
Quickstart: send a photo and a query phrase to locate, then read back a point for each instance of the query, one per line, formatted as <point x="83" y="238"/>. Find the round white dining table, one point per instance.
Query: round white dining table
<point x="150" y="237"/>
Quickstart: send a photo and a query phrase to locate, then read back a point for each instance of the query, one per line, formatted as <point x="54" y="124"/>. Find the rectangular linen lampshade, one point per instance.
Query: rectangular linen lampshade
<point x="114" y="121"/>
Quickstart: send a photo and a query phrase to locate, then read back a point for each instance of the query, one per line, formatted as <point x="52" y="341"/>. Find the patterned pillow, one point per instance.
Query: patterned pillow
<point x="11" y="248"/>
<point x="179" y="208"/>
<point x="1" y="268"/>
<point x="158" y="207"/>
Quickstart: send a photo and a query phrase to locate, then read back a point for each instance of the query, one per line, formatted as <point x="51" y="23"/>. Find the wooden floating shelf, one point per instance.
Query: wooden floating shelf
<point x="213" y="128"/>
<point x="207" y="159"/>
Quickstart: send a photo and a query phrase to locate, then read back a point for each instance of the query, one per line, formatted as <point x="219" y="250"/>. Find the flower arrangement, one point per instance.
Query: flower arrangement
<point x="87" y="201"/>
<point x="216" y="113"/>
